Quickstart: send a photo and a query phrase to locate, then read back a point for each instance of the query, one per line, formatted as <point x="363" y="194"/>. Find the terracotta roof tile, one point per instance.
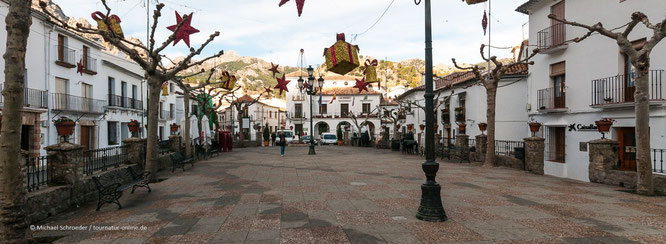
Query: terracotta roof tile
<point x="245" y="99"/>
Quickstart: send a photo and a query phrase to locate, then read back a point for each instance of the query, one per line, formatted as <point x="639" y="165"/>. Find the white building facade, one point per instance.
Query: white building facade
<point x="333" y="113"/>
<point x="572" y="85"/>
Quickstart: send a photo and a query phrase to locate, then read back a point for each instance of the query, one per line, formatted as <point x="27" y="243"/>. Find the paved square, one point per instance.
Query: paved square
<point x="364" y="195"/>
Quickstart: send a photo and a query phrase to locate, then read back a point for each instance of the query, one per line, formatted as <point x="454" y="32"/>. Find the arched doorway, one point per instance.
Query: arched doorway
<point x="370" y="127"/>
<point x="321" y="127"/>
<point x="345" y="127"/>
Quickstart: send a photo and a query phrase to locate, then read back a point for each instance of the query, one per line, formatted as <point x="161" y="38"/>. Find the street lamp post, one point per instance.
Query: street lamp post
<point x="311" y="87"/>
<point x="431" y="208"/>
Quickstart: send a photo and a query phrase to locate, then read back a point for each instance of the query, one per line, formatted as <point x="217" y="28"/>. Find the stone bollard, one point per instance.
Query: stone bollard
<point x="481" y="147"/>
<point x="534" y="154"/>
<point x="604" y="155"/>
<point x="462" y="141"/>
<point x="136" y="151"/>
<point x="65" y="163"/>
<point x="174" y="145"/>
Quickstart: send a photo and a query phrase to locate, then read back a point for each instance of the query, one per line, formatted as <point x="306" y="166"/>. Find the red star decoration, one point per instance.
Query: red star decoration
<point x="79" y="67"/>
<point x="282" y="84"/>
<point x="185" y="30"/>
<point x="274" y="69"/>
<point x="268" y="90"/>
<point x="361" y="85"/>
<point x="299" y="5"/>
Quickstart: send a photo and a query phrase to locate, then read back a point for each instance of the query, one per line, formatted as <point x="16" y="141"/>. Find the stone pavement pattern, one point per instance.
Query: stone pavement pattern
<point x="364" y="195"/>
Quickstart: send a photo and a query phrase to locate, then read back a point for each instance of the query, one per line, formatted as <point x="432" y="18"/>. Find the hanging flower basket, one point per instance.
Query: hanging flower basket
<point x="461" y="127"/>
<point x="174" y="127"/>
<point x="422" y="126"/>
<point x="483" y="127"/>
<point x="133" y="126"/>
<point x="65" y="126"/>
<point x="410" y="127"/>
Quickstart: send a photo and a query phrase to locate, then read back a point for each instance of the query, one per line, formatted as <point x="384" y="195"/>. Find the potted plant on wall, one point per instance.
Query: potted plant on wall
<point x="534" y="126"/>
<point x="64" y="126"/>
<point x="174" y="128"/>
<point x="604" y="126"/>
<point x="461" y="127"/>
<point x="483" y="127"/>
<point x="339" y="135"/>
<point x="267" y="136"/>
<point x="133" y="126"/>
<point x="422" y="126"/>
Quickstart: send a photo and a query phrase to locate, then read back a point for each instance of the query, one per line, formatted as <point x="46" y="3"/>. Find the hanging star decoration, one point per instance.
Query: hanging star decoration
<point x="79" y="67"/>
<point x="361" y="85"/>
<point x="268" y="91"/>
<point x="299" y="5"/>
<point x="282" y="84"/>
<point x="274" y="69"/>
<point x="484" y="22"/>
<point x="185" y="30"/>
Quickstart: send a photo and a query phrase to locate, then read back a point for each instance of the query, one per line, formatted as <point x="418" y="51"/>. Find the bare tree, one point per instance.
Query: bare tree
<point x="393" y="116"/>
<point x="491" y="81"/>
<point x="13" y="224"/>
<point x="240" y="107"/>
<point x="150" y="59"/>
<point x="640" y="59"/>
<point x="355" y="117"/>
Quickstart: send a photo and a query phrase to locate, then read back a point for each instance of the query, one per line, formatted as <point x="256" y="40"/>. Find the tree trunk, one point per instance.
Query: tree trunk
<point x="491" y="98"/>
<point x="644" y="184"/>
<point x="154" y="88"/>
<point x="13" y="224"/>
<point x="186" y="133"/>
<point x="239" y="116"/>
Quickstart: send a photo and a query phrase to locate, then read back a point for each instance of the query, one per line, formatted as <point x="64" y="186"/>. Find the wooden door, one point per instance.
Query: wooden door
<point x="61" y="48"/>
<point x="560" y="144"/>
<point x="85" y="57"/>
<point x="627" y="139"/>
<point x="559" y="91"/>
<point x="558" y="30"/>
<point x="86" y="132"/>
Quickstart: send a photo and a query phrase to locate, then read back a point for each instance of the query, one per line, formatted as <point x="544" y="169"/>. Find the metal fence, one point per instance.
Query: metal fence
<point x="507" y="148"/>
<point x="552" y="36"/>
<point x="102" y="159"/>
<point x="66" y="102"/>
<point x="38" y="173"/>
<point x="32" y="98"/>
<point x="658" y="160"/>
<point x="164" y="146"/>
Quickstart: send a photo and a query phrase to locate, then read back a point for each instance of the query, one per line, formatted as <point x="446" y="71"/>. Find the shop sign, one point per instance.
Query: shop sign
<point x="582" y="127"/>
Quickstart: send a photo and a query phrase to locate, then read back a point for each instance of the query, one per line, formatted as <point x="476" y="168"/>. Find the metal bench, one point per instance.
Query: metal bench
<point x="461" y="153"/>
<point x="178" y="160"/>
<point x="110" y="185"/>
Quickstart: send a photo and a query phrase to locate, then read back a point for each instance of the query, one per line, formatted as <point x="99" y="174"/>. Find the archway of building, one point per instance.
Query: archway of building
<point x="321" y="127"/>
<point x="370" y="127"/>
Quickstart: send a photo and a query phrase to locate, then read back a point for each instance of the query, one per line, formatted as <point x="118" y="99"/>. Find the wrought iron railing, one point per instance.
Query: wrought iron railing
<point x="164" y="146"/>
<point x="37" y="172"/>
<point x="550" y="98"/>
<point x="552" y="36"/>
<point x="68" y="55"/>
<point x="621" y="88"/>
<point x="103" y="159"/>
<point x="658" y="160"/>
<point x="66" y="102"/>
<point x="32" y="98"/>
<point x="507" y="148"/>
<point x="124" y="102"/>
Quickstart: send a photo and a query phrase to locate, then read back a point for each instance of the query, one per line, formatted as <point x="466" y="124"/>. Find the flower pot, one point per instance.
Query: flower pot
<point x="133" y="126"/>
<point x="604" y="125"/>
<point x="340" y="143"/>
<point x="534" y="127"/>
<point x="266" y="143"/>
<point x="65" y="128"/>
<point x="462" y="127"/>
<point x="483" y="126"/>
<point x="174" y="127"/>
<point x="422" y="127"/>
<point x="410" y="127"/>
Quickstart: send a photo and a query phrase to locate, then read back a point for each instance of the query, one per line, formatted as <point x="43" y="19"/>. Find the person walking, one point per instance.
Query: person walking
<point x="273" y="136"/>
<point x="283" y="143"/>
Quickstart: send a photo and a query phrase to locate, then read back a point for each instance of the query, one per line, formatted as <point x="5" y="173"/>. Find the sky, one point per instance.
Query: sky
<point x="259" y="28"/>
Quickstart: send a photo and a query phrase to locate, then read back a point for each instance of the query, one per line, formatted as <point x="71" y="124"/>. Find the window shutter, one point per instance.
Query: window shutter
<point x="558" y="69"/>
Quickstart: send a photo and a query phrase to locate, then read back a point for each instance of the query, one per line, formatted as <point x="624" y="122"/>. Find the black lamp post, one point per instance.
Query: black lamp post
<point x="431" y="208"/>
<point x="311" y="87"/>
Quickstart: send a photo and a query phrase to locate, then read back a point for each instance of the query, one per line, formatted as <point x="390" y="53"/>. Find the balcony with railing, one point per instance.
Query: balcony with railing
<point x="90" y="65"/>
<point x="124" y="102"/>
<point x="551" y="100"/>
<point x="32" y="98"/>
<point x="618" y="91"/>
<point x="66" y="102"/>
<point x="552" y="38"/>
<point x="66" y="57"/>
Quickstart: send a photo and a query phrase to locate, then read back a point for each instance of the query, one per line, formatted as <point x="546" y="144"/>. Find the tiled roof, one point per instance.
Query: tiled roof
<point x="347" y="91"/>
<point x="524" y="8"/>
<point x="519" y="69"/>
<point x="245" y="99"/>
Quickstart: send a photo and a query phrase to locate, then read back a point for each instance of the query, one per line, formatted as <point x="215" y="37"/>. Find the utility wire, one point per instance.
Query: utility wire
<point x="373" y="25"/>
